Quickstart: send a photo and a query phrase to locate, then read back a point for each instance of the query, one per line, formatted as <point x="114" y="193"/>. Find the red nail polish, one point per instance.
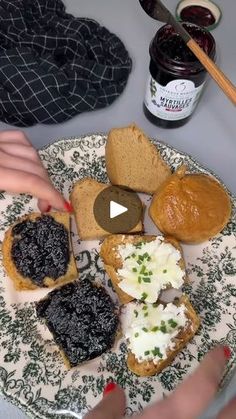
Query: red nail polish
<point x="68" y="206"/>
<point x="48" y="208"/>
<point x="109" y="387"/>
<point x="227" y="352"/>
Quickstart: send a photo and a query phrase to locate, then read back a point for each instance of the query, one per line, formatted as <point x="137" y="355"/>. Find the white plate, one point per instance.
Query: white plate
<point x="32" y="373"/>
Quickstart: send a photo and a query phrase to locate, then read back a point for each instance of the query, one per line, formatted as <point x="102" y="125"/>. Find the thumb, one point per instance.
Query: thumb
<point x="112" y="406"/>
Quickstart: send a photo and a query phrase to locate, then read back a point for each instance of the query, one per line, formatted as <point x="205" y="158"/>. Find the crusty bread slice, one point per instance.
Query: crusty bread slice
<point x="133" y="161"/>
<point x="148" y="368"/>
<point x="112" y="260"/>
<point x="83" y="196"/>
<point x="26" y="283"/>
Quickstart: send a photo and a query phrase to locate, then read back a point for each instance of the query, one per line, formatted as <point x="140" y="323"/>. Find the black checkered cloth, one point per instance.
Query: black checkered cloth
<point x="54" y="65"/>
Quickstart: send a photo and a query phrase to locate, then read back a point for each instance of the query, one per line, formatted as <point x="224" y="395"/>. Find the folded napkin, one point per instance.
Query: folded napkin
<point x="54" y="65"/>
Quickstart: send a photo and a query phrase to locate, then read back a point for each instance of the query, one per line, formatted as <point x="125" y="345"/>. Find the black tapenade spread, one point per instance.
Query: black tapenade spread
<point x="40" y="249"/>
<point x="82" y="319"/>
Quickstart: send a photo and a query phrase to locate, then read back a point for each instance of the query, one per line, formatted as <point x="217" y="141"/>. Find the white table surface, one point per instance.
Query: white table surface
<point x="210" y="136"/>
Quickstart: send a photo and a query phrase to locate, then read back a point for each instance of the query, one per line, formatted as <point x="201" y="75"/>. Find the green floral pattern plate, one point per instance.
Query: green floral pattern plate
<point x="32" y="373"/>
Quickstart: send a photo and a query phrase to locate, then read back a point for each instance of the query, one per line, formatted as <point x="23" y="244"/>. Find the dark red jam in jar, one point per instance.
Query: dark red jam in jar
<point x="198" y="14"/>
<point x="176" y="76"/>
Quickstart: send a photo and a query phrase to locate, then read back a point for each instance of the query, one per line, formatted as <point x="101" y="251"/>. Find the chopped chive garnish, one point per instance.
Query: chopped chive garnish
<point x="133" y="255"/>
<point x="155" y="329"/>
<point x="145" y="273"/>
<point x="148" y="258"/>
<point x="155" y="305"/>
<point x="144" y="296"/>
<point x="146" y="353"/>
<point x="156" y="352"/>
<point x="134" y="269"/>
<point x="145" y="329"/>
<point x="145" y="308"/>
<point x="164" y="271"/>
<point x="146" y="279"/>
<point x="163" y="329"/>
<point x="146" y="314"/>
<point x="136" y="334"/>
<point x="142" y="270"/>
<point x="172" y="323"/>
<point x="136" y="313"/>
<point x="146" y="255"/>
<point x="139" y="279"/>
<point x="150" y="273"/>
<point x="139" y="262"/>
<point x="127" y="257"/>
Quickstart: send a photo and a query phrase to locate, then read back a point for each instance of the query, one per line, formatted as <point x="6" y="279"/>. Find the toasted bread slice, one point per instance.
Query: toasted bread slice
<point x="95" y="319"/>
<point x="113" y="261"/>
<point x="148" y="368"/>
<point x="22" y="282"/>
<point x="133" y="161"/>
<point x="83" y="196"/>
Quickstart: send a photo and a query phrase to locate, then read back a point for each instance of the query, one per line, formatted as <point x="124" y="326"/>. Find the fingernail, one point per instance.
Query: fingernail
<point x="227" y="352"/>
<point x="109" y="387"/>
<point x="68" y="206"/>
<point x="48" y="208"/>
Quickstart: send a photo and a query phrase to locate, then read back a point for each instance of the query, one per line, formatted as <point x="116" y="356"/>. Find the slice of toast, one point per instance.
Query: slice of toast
<point x="34" y="255"/>
<point x="133" y="161"/>
<point x="83" y="196"/>
<point x="82" y="318"/>
<point x="148" y="368"/>
<point x="113" y="261"/>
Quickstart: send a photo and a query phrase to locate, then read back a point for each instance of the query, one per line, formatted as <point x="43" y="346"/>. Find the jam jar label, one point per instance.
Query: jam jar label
<point x="175" y="101"/>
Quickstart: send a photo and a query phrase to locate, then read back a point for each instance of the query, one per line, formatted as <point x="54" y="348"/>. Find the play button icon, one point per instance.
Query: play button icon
<point x="118" y="210"/>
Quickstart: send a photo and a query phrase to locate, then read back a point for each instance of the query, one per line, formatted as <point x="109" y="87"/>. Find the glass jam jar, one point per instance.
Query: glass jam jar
<point x="177" y="77"/>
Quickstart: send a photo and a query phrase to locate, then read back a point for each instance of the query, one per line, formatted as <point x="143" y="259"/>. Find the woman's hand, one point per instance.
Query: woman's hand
<point x="188" y="401"/>
<point x="21" y="171"/>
